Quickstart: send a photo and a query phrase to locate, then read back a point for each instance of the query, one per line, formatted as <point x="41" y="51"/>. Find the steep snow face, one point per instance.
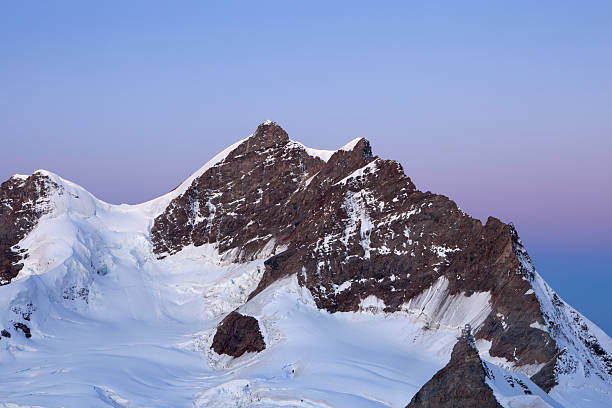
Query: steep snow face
<point x="23" y="201"/>
<point x="156" y="206"/>
<point x="583" y="372"/>
<point x="84" y="244"/>
<point x="441" y="309"/>
<point x="437" y="308"/>
<point x="514" y="390"/>
<point x="77" y="224"/>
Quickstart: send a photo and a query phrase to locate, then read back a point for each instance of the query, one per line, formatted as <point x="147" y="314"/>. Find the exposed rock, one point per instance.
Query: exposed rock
<point x="461" y="383"/>
<point x="274" y="271"/>
<point x="358" y="223"/>
<point x="23" y="200"/>
<point x="25" y="329"/>
<point x="242" y="202"/>
<point x="546" y="378"/>
<point x="238" y="334"/>
<point x="5" y="333"/>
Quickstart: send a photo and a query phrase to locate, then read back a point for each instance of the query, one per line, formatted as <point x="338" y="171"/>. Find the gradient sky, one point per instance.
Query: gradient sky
<point x="504" y="106"/>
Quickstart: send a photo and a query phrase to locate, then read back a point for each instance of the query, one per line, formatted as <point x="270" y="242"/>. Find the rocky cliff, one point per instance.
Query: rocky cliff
<point x="23" y="200"/>
<point x="460" y="384"/>
<point x="352" y="227"/>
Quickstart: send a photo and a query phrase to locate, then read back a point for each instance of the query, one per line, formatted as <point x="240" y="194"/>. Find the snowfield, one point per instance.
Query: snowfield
<point x="116" y="327"/>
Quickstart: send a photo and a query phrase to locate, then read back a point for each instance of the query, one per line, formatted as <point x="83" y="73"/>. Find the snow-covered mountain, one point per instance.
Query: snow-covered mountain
<point x="279" y="275"/>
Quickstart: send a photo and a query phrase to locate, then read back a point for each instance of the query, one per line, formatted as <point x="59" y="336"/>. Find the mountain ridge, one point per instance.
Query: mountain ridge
<point x="349" y="227"/>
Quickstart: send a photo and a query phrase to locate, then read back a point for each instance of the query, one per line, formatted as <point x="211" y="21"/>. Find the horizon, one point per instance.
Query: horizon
<point x="504" y="109"/>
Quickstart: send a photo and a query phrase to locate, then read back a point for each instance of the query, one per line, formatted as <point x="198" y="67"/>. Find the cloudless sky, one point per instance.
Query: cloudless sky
<point x="504" y="106"/>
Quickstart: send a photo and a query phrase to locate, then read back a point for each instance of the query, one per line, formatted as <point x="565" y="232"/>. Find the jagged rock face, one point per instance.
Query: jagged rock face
<point x="546" y="377"/>
<point x="414" y="239"/>
<point x="581" y="349"/>
<point x="242" y="202"/>
<point x="238" y="334"/>
<point x="353" y="227"/>
<point x="514" y="338"/>
<point x="461" y="383"/>
<point x="22" y="202"/>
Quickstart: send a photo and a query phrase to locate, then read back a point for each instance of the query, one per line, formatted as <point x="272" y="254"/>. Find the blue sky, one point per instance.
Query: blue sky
<point x="506" y="107"/>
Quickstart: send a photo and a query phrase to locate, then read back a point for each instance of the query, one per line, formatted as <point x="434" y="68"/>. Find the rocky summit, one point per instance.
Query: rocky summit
<point x="468" y="382"/>
<point x="281" y="275"/>
<point x="461" y="383"/>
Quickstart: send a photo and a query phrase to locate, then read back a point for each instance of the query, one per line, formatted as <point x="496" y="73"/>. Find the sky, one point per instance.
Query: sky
<point x="504" y="106"/>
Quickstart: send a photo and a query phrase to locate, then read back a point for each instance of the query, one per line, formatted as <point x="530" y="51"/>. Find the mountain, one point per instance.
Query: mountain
<point x="279" y="275"/>
<point x="467" y="381"/>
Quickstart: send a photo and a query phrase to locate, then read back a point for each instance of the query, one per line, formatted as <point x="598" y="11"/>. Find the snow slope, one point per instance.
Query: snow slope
<point x="513" y="390"/>
<point x="113" y="326"/>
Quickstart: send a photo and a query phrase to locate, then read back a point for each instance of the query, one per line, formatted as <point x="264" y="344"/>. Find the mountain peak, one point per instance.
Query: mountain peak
<point x="462" y="382"/>
<point x="360" y="144"/>
<point x="268" y="134"/>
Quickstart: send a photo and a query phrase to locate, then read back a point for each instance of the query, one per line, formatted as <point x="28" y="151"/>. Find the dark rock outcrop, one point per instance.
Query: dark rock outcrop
<point x="356" y="222"/>
<point x="24" y="328"/>
<point x="546" y="377"/>
<point x="460" y="384"/>
<point x="238" y="334"/>
<point x="22" y="202"/>
<point x="243" y="202"/>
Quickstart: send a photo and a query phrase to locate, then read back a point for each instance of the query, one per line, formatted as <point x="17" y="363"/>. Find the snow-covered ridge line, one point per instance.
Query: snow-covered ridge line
<point x="154" y="207"/>
<point x="585" y="361"/>
<point x="351" y="145"/>
<point x="325" y="155"/>
<point x="370" y="167"/>
<point x="157" y="205"/>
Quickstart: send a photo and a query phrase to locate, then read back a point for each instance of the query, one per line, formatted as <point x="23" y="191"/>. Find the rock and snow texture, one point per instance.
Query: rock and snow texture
<point x="581" y="372"/>
<point x="468" y="382"/>
<point x="461" y="383"/>
<point x="516" y="390"/>
<point x="341" y="283"/>
<point x="355" y="222"/>
<point x="23" y="200"/>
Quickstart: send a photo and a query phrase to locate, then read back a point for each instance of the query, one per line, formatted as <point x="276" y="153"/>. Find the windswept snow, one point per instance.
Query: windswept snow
<point x="156" y="206"/>
<point x="515" y="390"/>
<point x="436" y="306"/>
<point x="20" y="176"/>
<point x="351" y="145"/>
